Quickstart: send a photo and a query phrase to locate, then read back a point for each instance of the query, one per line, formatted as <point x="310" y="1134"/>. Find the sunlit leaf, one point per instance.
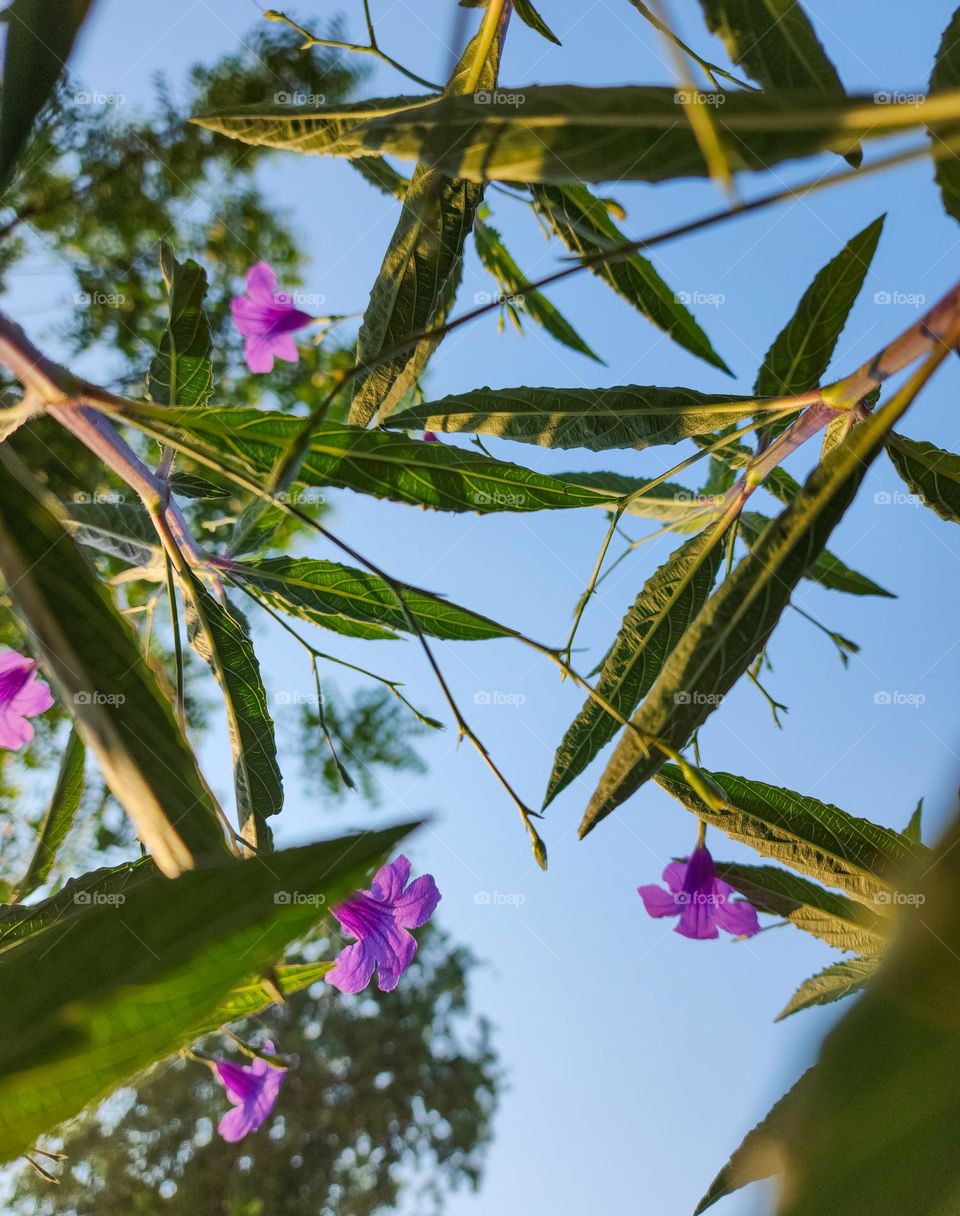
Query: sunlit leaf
<point x="58" y="820"/>
<point x="181" y="372"/>
<point x="93" y="658"/>
<point x="529" y="16"/>
<point x="946" y="75"/>
<point x="833" y="983"/>
<point x="931" y="473"/>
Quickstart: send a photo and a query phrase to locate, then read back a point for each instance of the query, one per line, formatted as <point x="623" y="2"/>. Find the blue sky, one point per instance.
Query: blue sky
<point x="637" y="1059"/>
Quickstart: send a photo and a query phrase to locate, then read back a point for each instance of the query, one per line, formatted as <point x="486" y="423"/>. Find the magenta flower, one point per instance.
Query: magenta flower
<point x="22" y="696"/>
<point x="267" y="319"/>
<point x="253" y="1089"/>
<point x="701" y="900"/>
<point x="380" y="919"/>
<point x="429" y="437"/>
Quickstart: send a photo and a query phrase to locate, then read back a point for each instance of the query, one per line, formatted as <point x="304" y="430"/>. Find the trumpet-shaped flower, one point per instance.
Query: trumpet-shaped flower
<point x="253" y="1089"/>
<point x="267" y="319"/>
<point x="22" y="696"/>
<point x="703" y="902"/>
<point x="380" y="920"/>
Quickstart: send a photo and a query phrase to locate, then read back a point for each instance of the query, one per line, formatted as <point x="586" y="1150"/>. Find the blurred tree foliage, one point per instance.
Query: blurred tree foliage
<point x="392" y="1099"/>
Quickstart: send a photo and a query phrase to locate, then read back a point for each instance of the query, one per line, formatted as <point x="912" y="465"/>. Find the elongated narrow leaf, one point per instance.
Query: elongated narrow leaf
<point x="625" y="416"/>
<point x="58" y="820"/>
<point x="529" y="16"/>
<point x="422" y="266"/>
<point x="736" y="623"/>
<point x="861" y="858"/>
<point x="931" y="473"/>
<point x="800" y="354"/>
<point x="946" y="75"/>
<point x="775" y="43"/>
<point x="582" y="221"/>
<point x="498" y="260"/>
<point x="569" y="134"/>
<point x="684" y="509"/>
<point x="914" y="829"/>
<point x="118" y="529"/>
<point x="88" y="1004"/>
<point x="92" y="656"/>
<point x="248" y="999"/>
<point x="314" y="130"/>
<point x="831" y="984"/>
<point x="827" y="569"/>
<point x="874" y="1131"/>
<point x="670" y="599"/>
<point x="843" y="923"/>
<point x="357" y="602"/>
<point x="377" y="463"/>
<point x="38" y="40"/>
<point x="381" y="174"/>
<point x="102" y="886"/>
<point x="220" y="636"/>
<point x="181" y="372"/>
<point x="759" y="1155"/>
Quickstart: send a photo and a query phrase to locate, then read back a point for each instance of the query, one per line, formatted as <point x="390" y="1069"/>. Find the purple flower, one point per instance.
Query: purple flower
<point x="701" y="900"/>
<point x="429" y="437"/>
<point x="379" y="919"/>
<point x="22" y="696"/>
<point x="266" y="318"/>
<point x="253" y="1089"/>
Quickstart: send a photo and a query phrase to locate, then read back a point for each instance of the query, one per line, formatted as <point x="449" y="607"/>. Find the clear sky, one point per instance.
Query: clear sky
<point x="636" y="1059"/>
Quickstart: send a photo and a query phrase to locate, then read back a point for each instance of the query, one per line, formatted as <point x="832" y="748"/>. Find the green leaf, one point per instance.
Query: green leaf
<point x="831" y="984"/>
<point x="758" y="1156"/>
<point x="860" y="858"/>
<point x="381" y="174"/>
<point x="356" y="602"/>
<point x="800" y="354"/>
<point x="529" y="16"/>
<point x="376" y="463"/>
<point x="736" y="623"/>
<point x="775" y="43"/>
<point x="930" y="472"/>
<point x="58" y="820"/>
<point x="843" y="923"/>
<point x="189" y="485"/>
<point x="582" y="221"/>
<point x="876" y="1130"/>
<point x="119" y="529"/>
<point x="315" y="130"/>
<point x="126" y="982"/>
<point x="92" y="655"/>
<point x="572" y="134"/>
<point x="220" y="636"/>
<point x="422" y="267"/>
<point x="18" y="921"/>
<point x="670" y="599"/>
<point x="39" y="38"/>
<point x="248" y="999"/>
<point x="946" y="75"/>
<point x="682" y="508"/>
<point x="913" y="830"/>
<point x="827" y="570"/>
<point x="181" y="372"/>
<point x="624" y="416"/>
<point x="497" y="259"/>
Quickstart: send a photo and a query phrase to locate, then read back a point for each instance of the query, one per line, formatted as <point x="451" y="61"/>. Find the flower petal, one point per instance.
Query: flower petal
<point x="698" y="917"/>
<point x="235" y="1124"/>
<point x="15" y="730"/>
<point x="418" y="903"/>
<point x="394" y="960"/>
<point x="240" y="1083"/>
<point x="285" y="348"/>
<point x="258" y="353"/>
<point x="659" y="902"/>
<point x="738" y="917"/>
<point x="262" y="282"/>
<point x="34" y="698"/>
<point x="674" y="874"/>
<point x="353" y="968"/>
